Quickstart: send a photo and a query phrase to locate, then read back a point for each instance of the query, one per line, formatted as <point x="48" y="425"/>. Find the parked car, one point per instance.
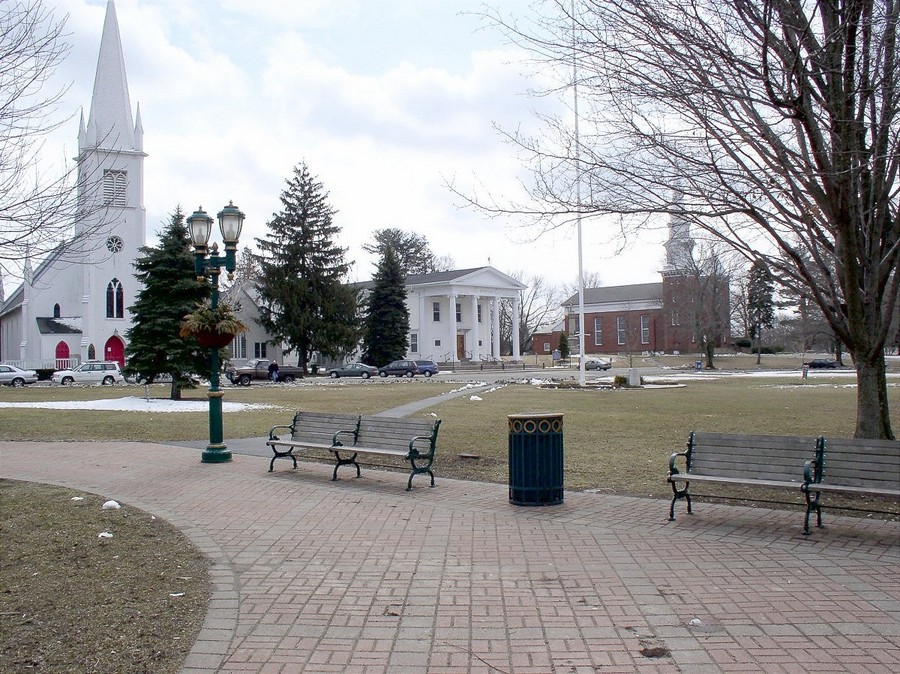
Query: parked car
<point x="427" y="367"/>
<point x="92" y="372"/>
<point x="14" y="376"/>
<point x="822" y="363"/>
<point x="353" y="370"/>
<point x="597" y="364"/>
<point x="399" y="368"/>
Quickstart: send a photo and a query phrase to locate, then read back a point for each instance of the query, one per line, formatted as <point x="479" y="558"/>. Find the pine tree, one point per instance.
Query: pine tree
<point x="304" y="304"/>
<point x="760" y="303"/>
<point x="563" y="346"/>
<point x="169" y="290"/>
<point x="387" y="319"/>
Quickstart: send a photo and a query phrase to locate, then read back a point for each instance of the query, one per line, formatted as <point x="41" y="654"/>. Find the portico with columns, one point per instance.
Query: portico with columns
<point x="454" y="316"/>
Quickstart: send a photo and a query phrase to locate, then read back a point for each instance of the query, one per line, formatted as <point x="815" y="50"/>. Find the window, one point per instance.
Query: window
<point x="458" y="312"/>
<point x="56" y="311"/>
<point x="114" y="182"/>
<point x="576" y="325"/>
<point x="115" y="300"/>
<point x="92" y="352"/>
<point x="645" y="329"/>
<point x="259" y="350"/>
<point x="437" y="342"/>
<point x="598" y="331"/>
<point x="239" y="346"/>
<point x="414" y="342"/>
<point x="436" y="312"/>
<point x="675" y="320"/>
<point x="479" y="313"/>
<point x="546" y="347"/>
<point x="620" y="329"/>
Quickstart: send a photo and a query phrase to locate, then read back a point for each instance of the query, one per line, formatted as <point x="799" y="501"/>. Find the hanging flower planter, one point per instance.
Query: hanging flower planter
<point x="214" y="340"/>
<point x="212" y="328"/>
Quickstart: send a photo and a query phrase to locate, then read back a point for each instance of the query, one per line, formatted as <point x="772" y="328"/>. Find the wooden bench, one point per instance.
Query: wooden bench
<point x="764" y="461"/>
<point x="413" y="440"/>
<point x="854" y="467"/>
<point x="312" y="430"/>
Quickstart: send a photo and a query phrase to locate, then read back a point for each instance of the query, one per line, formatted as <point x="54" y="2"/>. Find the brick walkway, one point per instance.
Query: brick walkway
<point x="360" y="576"/>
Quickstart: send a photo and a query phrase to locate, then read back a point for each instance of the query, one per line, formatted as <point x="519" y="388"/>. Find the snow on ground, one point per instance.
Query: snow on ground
<point x="135" y="404"/>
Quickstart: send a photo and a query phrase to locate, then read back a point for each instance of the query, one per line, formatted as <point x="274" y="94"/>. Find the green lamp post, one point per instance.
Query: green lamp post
<point x="208" y="265"/>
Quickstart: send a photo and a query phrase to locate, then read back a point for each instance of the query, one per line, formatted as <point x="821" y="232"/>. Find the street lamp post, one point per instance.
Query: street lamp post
<point x="208" y="264"/>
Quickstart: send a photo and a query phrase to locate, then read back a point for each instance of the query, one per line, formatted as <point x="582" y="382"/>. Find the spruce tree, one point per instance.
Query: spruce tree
<point x="304" y="303"/>
<point x="387" y="318"/>
<point x="760" y="302"/>
<point x="169" y="290"/>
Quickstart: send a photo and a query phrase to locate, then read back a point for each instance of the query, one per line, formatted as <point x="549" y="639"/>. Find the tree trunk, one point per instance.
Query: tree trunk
<point x="873" y="419"/>
<point x="709" y="350"/>
<point x="175" y="390"/>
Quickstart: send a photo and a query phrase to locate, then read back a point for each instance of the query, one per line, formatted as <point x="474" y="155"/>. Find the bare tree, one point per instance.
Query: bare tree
<point x="37" y="208"/>
<point x="539" y="306"/>
<point x="770" y="124"/>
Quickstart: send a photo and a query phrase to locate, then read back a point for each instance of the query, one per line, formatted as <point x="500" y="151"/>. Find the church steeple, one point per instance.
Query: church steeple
<point x="680" y="245"/>
<point x="110" y="124"/>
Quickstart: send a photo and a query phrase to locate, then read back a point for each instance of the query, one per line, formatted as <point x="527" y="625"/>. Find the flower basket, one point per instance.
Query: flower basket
<point x="214" y="340"/>
<point x="212" y="328"/>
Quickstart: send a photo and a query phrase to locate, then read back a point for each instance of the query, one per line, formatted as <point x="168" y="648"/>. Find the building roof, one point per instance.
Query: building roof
<point x="59" y="326"/>
<point x="636" y="292"/>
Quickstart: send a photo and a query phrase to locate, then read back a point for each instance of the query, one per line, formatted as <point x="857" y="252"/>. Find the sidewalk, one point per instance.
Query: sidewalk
<point x="360" y="576"/>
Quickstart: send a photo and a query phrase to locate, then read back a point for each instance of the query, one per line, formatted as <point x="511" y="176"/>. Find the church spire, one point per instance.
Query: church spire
<point x="110" y="124"/>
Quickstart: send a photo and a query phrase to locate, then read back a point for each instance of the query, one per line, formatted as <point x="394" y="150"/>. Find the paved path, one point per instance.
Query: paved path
<point x="360" y="576"/>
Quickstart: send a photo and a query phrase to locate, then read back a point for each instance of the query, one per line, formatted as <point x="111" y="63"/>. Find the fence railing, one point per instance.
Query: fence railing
<point x="45" y="364"/>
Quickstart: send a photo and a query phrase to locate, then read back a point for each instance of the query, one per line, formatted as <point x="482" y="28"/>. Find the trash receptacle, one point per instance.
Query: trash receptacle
<point x="698" y="365"/>
<point x="535" y="459"/>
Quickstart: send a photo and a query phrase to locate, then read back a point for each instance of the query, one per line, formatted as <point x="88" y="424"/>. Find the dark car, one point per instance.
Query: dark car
<point x="353" y="370"/>
<point x="427" y="367"/>
<point x="399" y="368"/>
<point x="822" y="363"/>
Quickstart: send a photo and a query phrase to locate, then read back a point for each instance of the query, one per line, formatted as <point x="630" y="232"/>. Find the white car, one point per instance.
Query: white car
<point x="14" y="376"/>
<point x="90" y="373"/>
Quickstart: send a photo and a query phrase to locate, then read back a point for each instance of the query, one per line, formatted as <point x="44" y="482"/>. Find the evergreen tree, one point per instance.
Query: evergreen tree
<point x="760" y="302"/>
<point x="387" y="320"/>
<point x="169" y="290"/>
<point x="563" y="346"/>
<point x="304" y="304"/>
<point x="412" y="250"/>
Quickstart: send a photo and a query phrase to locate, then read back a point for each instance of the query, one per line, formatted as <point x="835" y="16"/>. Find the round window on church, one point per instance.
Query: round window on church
<point x="115" y="244"/>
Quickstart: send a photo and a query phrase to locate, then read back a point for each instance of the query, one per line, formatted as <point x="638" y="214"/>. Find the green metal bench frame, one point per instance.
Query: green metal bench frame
<point x="413" y="440"/>
<point x="764" y="461"/>
<point x="853" y="467"/>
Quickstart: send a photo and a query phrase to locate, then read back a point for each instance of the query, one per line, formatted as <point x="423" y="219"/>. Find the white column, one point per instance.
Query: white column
<point x="453" y="328"/>
<point x="516" y="356"/>
<point x="423" y="332"/>
<point x="476" y="332"/>
<point x="495" y="327"/>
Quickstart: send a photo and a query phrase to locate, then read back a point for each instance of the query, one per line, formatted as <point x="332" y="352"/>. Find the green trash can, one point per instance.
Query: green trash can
<point x="535" y="459"/>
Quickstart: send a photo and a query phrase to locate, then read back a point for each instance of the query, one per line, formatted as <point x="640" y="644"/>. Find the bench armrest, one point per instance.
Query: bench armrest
<point x="272" y="435"/>
<point x="422" y="438"/>
<point x="335" y="440"/>
<point x="811" y="473"/>
<point x="673" y="460"/>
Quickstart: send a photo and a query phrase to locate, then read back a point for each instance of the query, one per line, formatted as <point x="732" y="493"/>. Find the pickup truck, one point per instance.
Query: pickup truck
<point x="258" y="368"/>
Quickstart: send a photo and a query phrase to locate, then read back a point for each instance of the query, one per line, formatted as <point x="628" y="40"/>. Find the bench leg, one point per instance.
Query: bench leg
<point x="343" y="462"/>
<point x="289" y="454"/>
<point x="678" y="495"/>
<point x="812" y="504"/>
<point x="416" y="471"/>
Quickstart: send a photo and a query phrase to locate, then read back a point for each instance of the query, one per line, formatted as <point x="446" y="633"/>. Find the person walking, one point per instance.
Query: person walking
<point x="273" y="371"/>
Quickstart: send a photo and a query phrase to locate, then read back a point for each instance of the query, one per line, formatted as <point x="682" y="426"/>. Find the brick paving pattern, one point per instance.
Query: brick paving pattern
<point x="360" y="576"/>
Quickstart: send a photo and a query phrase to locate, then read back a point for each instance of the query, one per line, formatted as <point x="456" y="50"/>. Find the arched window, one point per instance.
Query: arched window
<point x="56" y="313"/>
<point x="92" y="352"/>
<point x="115" y="300"/>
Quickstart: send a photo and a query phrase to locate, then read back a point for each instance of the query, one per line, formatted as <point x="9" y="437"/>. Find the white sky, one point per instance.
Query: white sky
<point x="386" y="101"/>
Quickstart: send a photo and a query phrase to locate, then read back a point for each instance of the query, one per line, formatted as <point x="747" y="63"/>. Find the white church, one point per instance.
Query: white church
<point x="66" y="312"/>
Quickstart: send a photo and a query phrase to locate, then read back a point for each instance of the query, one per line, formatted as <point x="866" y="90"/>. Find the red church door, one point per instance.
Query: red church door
<point x="62" y="356"/>
<point x="114" y="351"/>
